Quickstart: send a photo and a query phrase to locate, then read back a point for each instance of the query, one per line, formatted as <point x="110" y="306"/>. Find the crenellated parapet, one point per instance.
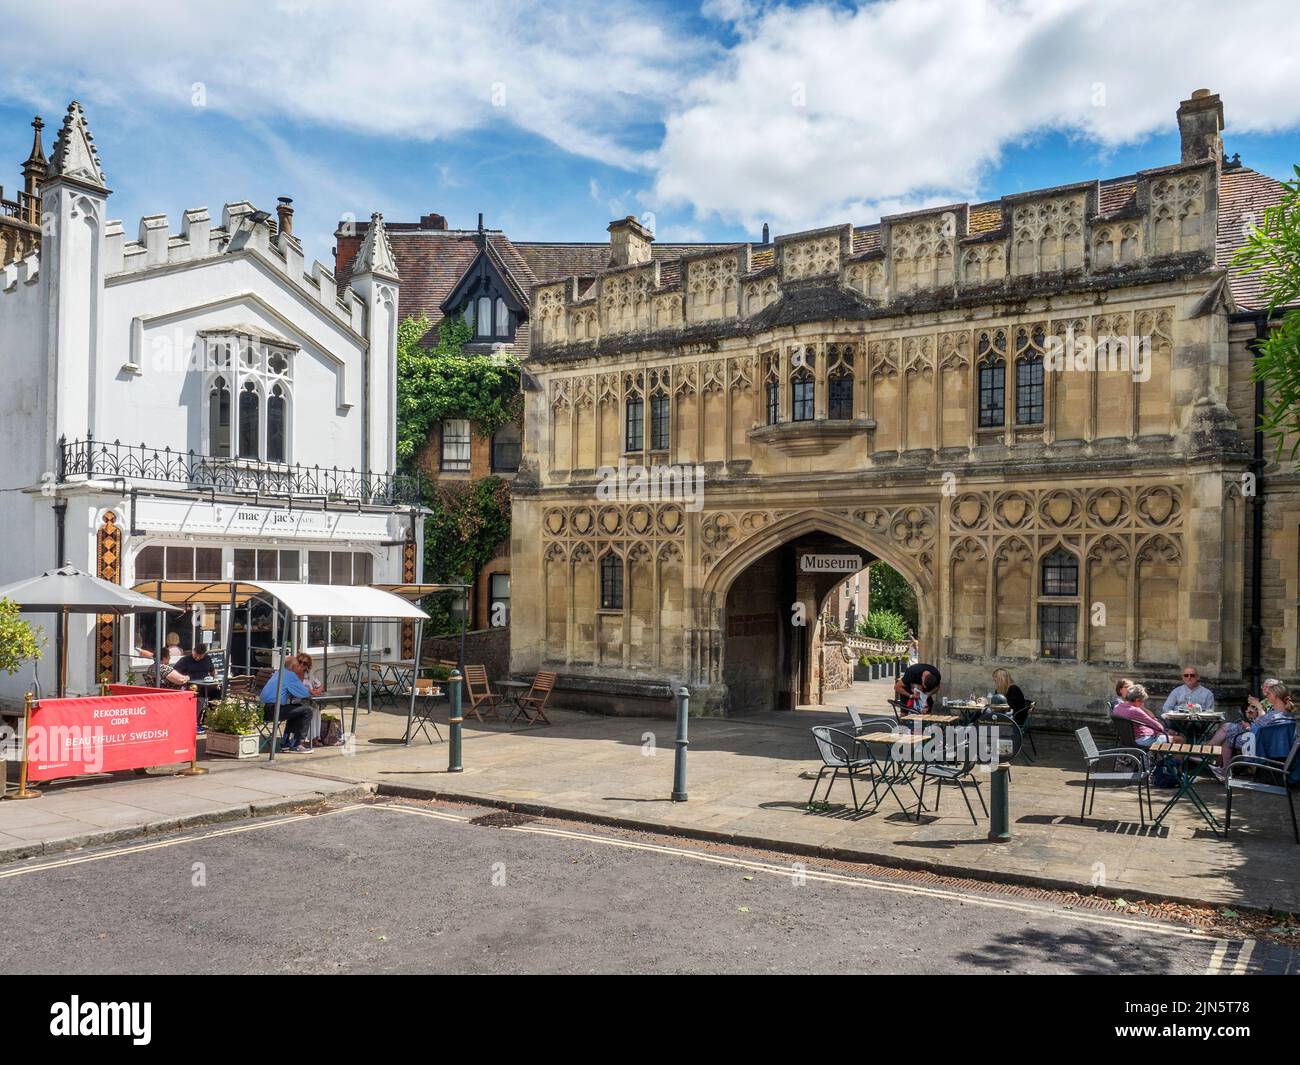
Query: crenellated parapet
<point x="155" y="247"/>
<point x="20" y="273"/>
<point x="1153" y="225"/>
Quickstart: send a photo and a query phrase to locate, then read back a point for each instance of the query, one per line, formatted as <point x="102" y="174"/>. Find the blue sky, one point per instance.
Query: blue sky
<point x="708" y="117"/>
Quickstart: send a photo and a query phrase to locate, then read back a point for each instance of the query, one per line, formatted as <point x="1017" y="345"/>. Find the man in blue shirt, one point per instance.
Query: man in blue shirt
<point x="294" y="712"/>
<point x="1190" y="691"/>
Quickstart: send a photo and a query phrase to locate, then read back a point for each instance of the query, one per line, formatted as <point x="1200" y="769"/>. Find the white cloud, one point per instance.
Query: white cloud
<point x="909" y="103"/>
<point x="812" y="114"/>
<point x="578" y="74"/>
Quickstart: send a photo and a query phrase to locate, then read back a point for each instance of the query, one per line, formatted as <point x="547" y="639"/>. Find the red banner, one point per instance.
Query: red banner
<point x="131" y="729"/>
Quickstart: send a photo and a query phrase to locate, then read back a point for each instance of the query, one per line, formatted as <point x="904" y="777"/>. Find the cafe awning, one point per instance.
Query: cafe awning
<point x="341" y="601"/>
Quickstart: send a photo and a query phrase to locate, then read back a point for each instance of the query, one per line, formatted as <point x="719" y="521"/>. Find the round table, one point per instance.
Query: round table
<point x="513" y="691"/>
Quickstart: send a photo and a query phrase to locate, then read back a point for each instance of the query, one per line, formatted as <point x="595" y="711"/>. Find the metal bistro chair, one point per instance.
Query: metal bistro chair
<point x="959" y="773"/>
<point x="1129" y="765"/>
<point x="834" y="747"/>
<point x="1272" y="776"/>
<point x="869" y="724"/>
<point x="1022" y="717"/>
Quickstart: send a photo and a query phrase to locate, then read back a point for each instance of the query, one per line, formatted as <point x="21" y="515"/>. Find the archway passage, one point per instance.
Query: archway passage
<point x="772" y="623"/>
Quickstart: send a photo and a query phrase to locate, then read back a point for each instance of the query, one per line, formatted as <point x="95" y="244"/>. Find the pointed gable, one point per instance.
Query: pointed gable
<point x="376" y="254"/>
<point x="75" y="157"/>
<point x="486" y="275"/>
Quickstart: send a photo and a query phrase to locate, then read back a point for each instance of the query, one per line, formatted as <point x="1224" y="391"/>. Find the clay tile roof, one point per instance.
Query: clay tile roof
<point x="1244" y="195"/>
<point x="866" y="239"/>
<point x="1116" y="194"/>
<point x="670" y="272"/>
<point x="984" y="218"/>
<point x="762" y="259"/>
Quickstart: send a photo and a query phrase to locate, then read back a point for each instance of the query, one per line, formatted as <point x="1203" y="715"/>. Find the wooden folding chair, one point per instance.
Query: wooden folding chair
<point x="479" y="692"/>
<point x="533" y="705"/>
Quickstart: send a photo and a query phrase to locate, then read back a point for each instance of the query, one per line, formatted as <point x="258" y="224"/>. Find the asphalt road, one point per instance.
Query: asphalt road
<point x="418" y="889"/>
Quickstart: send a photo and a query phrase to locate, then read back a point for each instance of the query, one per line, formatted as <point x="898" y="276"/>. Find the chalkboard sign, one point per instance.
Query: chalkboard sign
<point x="217" y="656"/>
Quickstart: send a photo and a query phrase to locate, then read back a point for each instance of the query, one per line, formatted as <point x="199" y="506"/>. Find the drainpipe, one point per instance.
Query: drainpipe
<point x="60" y="528"/>
<point x="1257" y="522"/>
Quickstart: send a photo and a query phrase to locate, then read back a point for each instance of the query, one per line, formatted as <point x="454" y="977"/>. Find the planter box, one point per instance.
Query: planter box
<point x="227" y="746"/>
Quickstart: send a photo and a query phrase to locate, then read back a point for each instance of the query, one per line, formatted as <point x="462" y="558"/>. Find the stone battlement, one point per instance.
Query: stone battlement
<point x="1090" y="233"/>
<point x="25" y="271"/>
<point x="199" y="239"/>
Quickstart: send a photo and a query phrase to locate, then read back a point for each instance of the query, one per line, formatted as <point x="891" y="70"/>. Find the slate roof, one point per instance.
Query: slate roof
<point x="430" y="263"/>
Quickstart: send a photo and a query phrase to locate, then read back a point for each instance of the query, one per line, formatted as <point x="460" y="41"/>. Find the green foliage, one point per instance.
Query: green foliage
<point x="465" y="524"/>
<point x="1273" y="250"/>
<point x="19" y="641"/>
<point x="890" y="591"/>
<point x="235" y="717"/>
<point x="884" y="625"/>
<point x="444" y="382"/>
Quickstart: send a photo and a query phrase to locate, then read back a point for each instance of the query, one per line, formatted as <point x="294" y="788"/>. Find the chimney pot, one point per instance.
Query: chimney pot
<point x="284" y="214"/>
<point x="629" y="242"/>
<point x="1200" y="121"/>
<point x="767" y="234"/>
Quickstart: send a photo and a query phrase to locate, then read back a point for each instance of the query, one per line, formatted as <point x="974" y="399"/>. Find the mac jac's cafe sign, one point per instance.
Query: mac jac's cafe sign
<point x="132" y="729"/>
<point x="246" y="520"/>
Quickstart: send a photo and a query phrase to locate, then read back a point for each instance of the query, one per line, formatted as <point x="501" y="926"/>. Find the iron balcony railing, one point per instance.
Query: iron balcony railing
<point x="96" y="458"/>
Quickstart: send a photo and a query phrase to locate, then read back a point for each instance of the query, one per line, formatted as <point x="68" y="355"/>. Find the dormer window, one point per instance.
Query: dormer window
<point x="487" y="300"/>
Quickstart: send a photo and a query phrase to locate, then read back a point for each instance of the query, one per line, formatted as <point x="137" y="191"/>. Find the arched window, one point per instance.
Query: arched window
<point x="611" y="582"/>
<point x="1029" y="377"/>
<point x="803" y="385"/>
<point x="219" y="418"/>
<point x="485" y="316"/>
<point x="276" y="425"/>
<point x="1058" y="607"/>
<point x="772" y="388"/>
<point x="839" y="381"/>
<point x="503" y="318"/>
<point x="991" y="356"/>
<point x="635" y="424"/>
<point x="249" y="421"/>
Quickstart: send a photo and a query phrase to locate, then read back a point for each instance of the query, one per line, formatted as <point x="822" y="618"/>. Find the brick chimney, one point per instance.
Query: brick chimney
<point x="284" y="214"/>
<point x="629" y="242"/>
<point x="1200" y="119"/>
<point x="433" y="221"/>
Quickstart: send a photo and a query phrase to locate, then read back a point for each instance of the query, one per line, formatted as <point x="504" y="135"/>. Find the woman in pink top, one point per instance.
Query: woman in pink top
<point x="1147" y="729"/>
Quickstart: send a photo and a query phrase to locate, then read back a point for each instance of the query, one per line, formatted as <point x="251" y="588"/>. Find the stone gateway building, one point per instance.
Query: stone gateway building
<point x="1039" y="410"/>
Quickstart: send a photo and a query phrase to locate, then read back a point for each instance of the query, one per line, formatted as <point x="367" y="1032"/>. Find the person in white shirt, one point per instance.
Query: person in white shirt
<point x="1190" y="691"/>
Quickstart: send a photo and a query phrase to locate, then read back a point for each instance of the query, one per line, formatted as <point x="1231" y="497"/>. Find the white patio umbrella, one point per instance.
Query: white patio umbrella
<point x="68" y="590"/>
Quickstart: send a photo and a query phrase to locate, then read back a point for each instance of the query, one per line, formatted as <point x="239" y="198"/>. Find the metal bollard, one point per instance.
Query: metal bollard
<point x="454" y="723"/>
<point x="679" y="762"/>
<point x="999" y="805"/>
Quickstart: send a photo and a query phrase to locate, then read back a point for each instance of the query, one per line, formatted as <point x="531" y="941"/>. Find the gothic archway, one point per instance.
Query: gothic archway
<point x="763" y="555"/>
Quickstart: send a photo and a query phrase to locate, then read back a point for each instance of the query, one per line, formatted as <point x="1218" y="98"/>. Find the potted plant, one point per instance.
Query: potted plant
<point x="232" y="728"/>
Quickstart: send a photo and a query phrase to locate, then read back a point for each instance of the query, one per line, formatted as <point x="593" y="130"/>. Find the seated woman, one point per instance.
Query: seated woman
<point x="1231" y="736"/>
<point x="1147" y="729"/>
<point x="316" y="688"/>
<point x="164" y="669"/>
<point x="1007" y="687"/>
<point x="1121" y="690"/>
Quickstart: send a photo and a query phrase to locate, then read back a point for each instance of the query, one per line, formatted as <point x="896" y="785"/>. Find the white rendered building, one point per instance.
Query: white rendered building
<point x="194" y="405"/>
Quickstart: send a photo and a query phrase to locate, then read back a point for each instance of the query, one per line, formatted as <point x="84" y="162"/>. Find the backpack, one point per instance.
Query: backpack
<point x="1164" y="774"/>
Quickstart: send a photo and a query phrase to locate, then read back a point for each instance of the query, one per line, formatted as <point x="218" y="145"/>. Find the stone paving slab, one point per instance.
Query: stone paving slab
<point x="749" y="779"/>
<point x="110" y="809"/>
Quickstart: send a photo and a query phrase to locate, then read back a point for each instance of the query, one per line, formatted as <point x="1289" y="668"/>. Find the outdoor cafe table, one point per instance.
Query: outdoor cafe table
<point x="968" y="711"/>
<point x="897" y="770"/>
<point x="514" y="691"/>
<point x="930" y="719"/>
<point x="1194" y="756"/>
<point x="1195" y="726"/>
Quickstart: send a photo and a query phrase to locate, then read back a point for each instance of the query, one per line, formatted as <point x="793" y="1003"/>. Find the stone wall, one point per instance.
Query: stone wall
<point x="487" y="647"/>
